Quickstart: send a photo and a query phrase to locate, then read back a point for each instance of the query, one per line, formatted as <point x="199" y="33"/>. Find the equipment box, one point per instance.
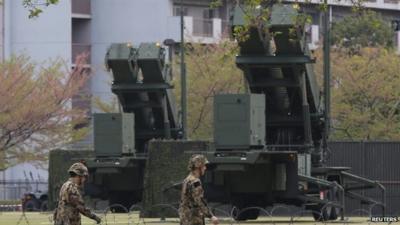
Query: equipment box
<point x="114" y="134"/>
<point x="239" y="121"/>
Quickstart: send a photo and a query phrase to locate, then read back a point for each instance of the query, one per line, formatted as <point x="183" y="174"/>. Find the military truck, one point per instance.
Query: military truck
<point x="34" y="201"/>
<point x="269" y="142"/>
<point x="141" y="81"/>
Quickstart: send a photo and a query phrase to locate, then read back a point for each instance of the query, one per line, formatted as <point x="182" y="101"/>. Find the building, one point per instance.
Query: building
<point x="75" y="26"/>
<point x="389" y="10"/>
<point x="22" y="178"/>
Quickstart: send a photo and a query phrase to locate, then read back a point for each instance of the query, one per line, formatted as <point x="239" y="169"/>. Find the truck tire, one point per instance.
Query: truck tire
<point x="243" y="214"/>
<point x="31" y="205"/>
<point x="334" y="214"/>
<point x="333" y="195"/>
<point x="44" y="206"/>
<point x="320" y="213"/>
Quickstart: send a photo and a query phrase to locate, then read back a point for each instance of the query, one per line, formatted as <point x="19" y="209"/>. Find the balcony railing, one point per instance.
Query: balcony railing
<point x="81" y="7"/>
<point x="225" y="28"/>
<point x="202" y="27"/>
<point x="79" y="48"/>
<point x="196" y="30"/>
<point x="391" y="1"/>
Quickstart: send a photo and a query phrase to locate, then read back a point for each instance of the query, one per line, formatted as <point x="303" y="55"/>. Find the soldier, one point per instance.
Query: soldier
<point x="193" y="207"/>
<point x="70" y="202"/>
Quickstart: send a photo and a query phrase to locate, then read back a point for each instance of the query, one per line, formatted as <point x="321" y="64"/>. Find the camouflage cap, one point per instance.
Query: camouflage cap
<point x="196" y="161"/>
<point x="79" y="169"/>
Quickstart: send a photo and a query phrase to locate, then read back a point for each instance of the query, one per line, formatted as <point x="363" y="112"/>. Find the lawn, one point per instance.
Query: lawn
<point x="14" y="218"/>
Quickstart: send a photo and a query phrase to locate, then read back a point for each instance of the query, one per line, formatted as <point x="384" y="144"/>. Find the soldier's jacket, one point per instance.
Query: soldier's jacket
<point x="193" y="208"/>
<point x="70" y="204"/>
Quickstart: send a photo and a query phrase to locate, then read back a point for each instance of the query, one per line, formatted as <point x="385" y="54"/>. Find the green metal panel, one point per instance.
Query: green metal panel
<point x="151" y="61"/>
<point x="120" y="51"/>
<point x="254" y="172"/>
<point x="279" y="75"/>
<point x="238" y="17"/>
<point x="280" y="15"/>
<point x="280" y="177"/>
<point x="239" y="120"/>
<point x="114" y="134"/>
<point x="291" y="43"/>
<point x="254" y="44"/>
<point x="150" y="51"/>
<point x="283" y="15"/>
<point x="284" y="60"/>
<point x="304" y="164"/>
<point x="120" y="58"/>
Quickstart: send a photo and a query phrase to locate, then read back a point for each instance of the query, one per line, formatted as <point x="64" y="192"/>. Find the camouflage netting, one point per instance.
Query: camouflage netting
<point x="59" y="163"/>
<point x="166" y="166"/>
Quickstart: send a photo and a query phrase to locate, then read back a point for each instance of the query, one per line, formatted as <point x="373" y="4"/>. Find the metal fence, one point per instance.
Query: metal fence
<point x="15" y="189"/>
<point x="376" y="160"/>
<point x="132" y="215"/>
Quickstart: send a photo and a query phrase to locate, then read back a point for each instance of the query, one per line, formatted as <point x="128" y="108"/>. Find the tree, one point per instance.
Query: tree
<point x="365" y="94"/>
<point x="35" y="7"/>
<point x="211" y="70"/>
<point x="367" y="29"/>
<point x="35" y="107"/>
<point x="112" y="105"/>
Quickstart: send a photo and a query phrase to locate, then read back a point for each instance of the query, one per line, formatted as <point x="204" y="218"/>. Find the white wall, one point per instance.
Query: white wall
<point x="44" y="38"/>
<point x="48" y="36"/>
<point x="30" y="171"/>
<point x="1" y="31"/>
<point x="23" y="178"/>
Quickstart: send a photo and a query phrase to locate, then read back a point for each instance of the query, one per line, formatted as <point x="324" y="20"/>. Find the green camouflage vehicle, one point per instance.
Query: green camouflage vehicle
<point x="269" y="142"/>
<point x="142" y="84"/>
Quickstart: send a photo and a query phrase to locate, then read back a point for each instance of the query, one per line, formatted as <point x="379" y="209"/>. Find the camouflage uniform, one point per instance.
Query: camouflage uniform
<point x="70" y="202"/>
<point x="193" y="207"/>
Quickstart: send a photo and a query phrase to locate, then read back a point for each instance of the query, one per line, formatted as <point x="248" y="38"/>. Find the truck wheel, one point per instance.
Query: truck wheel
<point x="333" y="195"/>
<point x="31" y="205"/>
<point x="320" y="214"/>
<point x="334" y="214"/>
<point x="44" y="206"/>
<point x="243" y="214"/>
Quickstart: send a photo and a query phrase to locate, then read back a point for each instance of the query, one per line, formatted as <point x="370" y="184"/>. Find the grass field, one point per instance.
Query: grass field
<point x="14" y="218"/>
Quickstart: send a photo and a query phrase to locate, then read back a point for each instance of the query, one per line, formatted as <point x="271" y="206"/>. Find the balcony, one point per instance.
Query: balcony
<point x="391" y="1"/>
<point x="202" y="27"/>
<point x="196" y="30"/>
<point x="80" y="8"/>
<point x="376" y="4"/>
<point x="79" y="48"/>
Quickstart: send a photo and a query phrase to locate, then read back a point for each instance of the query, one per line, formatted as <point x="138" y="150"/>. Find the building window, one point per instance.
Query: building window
<point x="177" y="11"/>
<point x="396" y="25"/>
<point x="208" y="13"/>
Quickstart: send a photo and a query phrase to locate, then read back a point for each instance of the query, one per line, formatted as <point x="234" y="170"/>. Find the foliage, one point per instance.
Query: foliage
<point x="367" y="29"/>
<point x="257" y="14"/>
<point x="211" y="70"/>
<point x="35" y="6"/>
<point x="365" y="97"/>
<point x="35" y="107"/>
<point x="112" y="104"/>
<point x="365" y="94"/>
<point x="106" y="106"/>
